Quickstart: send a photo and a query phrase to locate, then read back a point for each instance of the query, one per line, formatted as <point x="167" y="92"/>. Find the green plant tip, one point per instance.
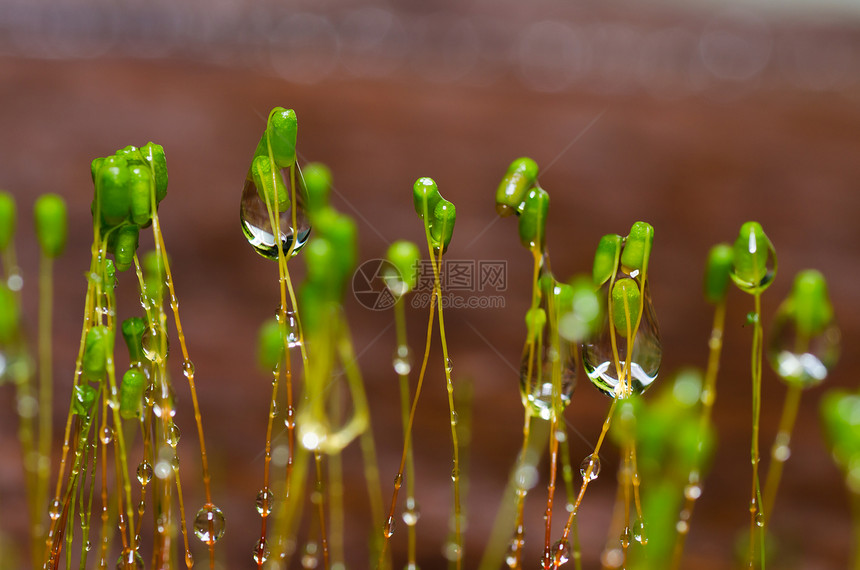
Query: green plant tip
<point x="132" y="333"/>
<point x="341" y="232"/>
<point x="520" y="177"/>
<point x="97" y="350"/>
<point x="51" y="222"/>
<point x="425" y="196"/>
<point x="281" y="133"/>
<point x="126" y="246"/>
<point x="83" y="398"/>
<point x="140" y="189"/>
<point x="754" y="259"/>
<point x="637" y="247"/>
<point x="10" y="314"/>
<point x="7" y="219"/>
<point x="404" y="257"/>
<point x="270" y="184"/>
<point x="535" y="322"/>
<point x="131" y="391"/>
<point x="532" y="223"/>
<point x="840" y="412"/>
<point x="112" y="193"/>
<point x="606" y="258"/>
<point x="442" y="227"/>
<point x="153" y="154"/>
<point x="717" y="271"/>
<point x="270" y="345"/>
<point x="812" y="308"/>
<point x="581" y="317"/>
<point x="318" y="181"/>
<point x="625" y="305"/>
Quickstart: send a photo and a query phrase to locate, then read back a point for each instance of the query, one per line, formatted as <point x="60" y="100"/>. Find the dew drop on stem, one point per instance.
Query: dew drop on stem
<point x="261" y="551"/>
<point x="209" y="524"/>
<point x="265" y="501"/>
<point x="144" y="473"/>
<point x="256" y="225"/>
<point x="590" y="468"/>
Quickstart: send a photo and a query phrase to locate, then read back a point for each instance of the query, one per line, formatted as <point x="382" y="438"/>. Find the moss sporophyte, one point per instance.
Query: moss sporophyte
<point x="118" y="497"/>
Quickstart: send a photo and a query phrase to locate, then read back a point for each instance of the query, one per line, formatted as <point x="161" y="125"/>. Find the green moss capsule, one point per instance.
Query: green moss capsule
<point x="270" y="184"/>
<point x="625" y="300"/>
<point x="425" y="196"/>
<point x="511" y="193"/>
<point x="442" y="227"/>
<point x="606" y="258"/>
<point x="270" y="345"/>
<point x="7" y="219"/>
<point x="132" y="333"/>
<point x="112" y="190"/>
<point x="97" y="350"/>
<point x="535" y="322"/>
<point x="51" y="222"/>
<point x="404" y="257"/>
<point x="140" y="189"/>
<point x="637" y="247"/>
<point x="717" y="272"/>
<point x="341" y="232"/>
<point x="754" y="259"/>
<point x="110" y="275"/>
<point x="532" y="223"/>
<point x="126" y="246"/>
<point x="281" y="134"/>
<point x="318" y="182"/>
<point x="83" y="399"/>
<point x="131" y="391"/>
<point x="580" y="318"/>
<point x="153" y="154"/>
<point x="812" y="308"/>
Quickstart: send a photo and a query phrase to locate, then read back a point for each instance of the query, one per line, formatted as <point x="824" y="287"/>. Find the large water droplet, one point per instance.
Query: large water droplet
<point x="106" y="435"/>
<point x="256" y="224"/>
<point x="388" y="528"/>
<point x="590" y="468"/>
<point x="209" y="524"/>
<point x="172" y="435"/>
<point x="261" y="551"/>
<point x="402" y="360"/>
<point x="294" y="339"/>
<point x="55" y="509"/>
<point x="607" y="367"/>
<point x="561" y="552"/>
<point x="265" y="501"/>
<point x="797" y="358"/>
<point x="130" y="559"/>
<point x="144" y="473"/>
<point x="154" y="344"/>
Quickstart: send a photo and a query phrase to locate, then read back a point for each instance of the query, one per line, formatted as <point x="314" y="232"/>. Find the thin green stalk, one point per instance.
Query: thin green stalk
<point x="756" y="518"/>
<point x="780" y="450"/>
<point x="43" y="469"/>
<point x="402" y="341"/>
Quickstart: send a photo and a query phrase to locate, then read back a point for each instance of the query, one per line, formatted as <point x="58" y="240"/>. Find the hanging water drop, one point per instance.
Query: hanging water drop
<point x="639" y="532"/>
<point x="449" y="366"/>
<point x="261" y="551"/>
<point x="188" y="368"/>
<point x="605" y="357"/>
<point x="172" y="436"/>
<point x="265" y="501"/>
<point x="106" y="435"/>
<point x="388" y="528"/>
<point x="590" y="468"/>
<point x="561" y="552"/>
<point x="798" y="358"/>
<point x="256" y="222"/>
<point x="209" y="524"/>
<point x="154" y="344"/>
<point x="754" y="265"/>
<point x="130" y="559"/>
<point x="55" y="510"/>
<point x="294" y="339"/>
<point x="144" y="473"/>
<point x="402" y="360"/>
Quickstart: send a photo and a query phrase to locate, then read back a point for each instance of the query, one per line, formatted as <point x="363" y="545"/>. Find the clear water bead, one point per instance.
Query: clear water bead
<point x="55" y="509"/>
<point x="799" y="359"/>
<point x="155" y="344"/>
<point x="261" y="551"/>
<point x="172" y="436"/>
<point x="617" y="378"/>
<point x="256" y="224"/>
<point x="561" y="552"/>
<point x="209" y="524"/>
<point x="265" y="501"/>
<point x="106" y="435"/>
<point x="144" y="473"/>
<point x="590" y="468"/>
<point x="129" y="560"/>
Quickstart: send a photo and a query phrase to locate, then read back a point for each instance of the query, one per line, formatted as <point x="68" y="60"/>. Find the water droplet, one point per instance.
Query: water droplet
<point x="455" y="474"/>
<point x="449" y="365"/>
<point x="294" y="339"/>
<point x="411" y="514"/>
<point x="310" y="558"/>
<point x="188" y="368"/>
<point x="692" y="492"/>
<point x="759" y="519"/>
<point x="402" y="360"/>
<point x="451" y="551"/>
<point x="154" y="344"/>
<point x="189" y="559"/>
<point x="261" y="551"/>
<point x="626" y="535"/>
<point x="752" y="279"/>
<point x="454" y="419"/>
<point x="129" y="560"/>
<point x="209" y="524"/>
<point x="290" y="418"/>
<point x="561" y="551"/>
<point x="515" y="549"/>
<point x="265" y="501"/>
<point x="256" y="226"/>
<point x="172" y="436"/>
<point x="797" y="358"/>
<point x="639" y="532"/>
<point x="144" y="473"/>
<point x="388" y="528"/>
<point x="617" y="378"/>
<point x="106" y="435"/>
<point x="590" y="468"/>
<point x="55" y="510"/>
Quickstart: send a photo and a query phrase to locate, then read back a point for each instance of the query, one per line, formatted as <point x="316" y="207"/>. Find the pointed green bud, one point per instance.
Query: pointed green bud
<point x="625" y="305"/>
<point x="404" y="257"/>
<point x="97" y="350"/>
<point x="812" y="308"/>
<point x="318" y="181"/>
<point x="425" y="194"/>
<point x="132" y="332"/>
<point x="637" y="246"/>
<point x="131" y="391"/>
<point x="717" y="272"/>
<point x="606" y="258"/>
<point x="520" y="177"/>
<point x="442" y="227"/>
<point x="140" y="188"/>
<point x="83" y="398"/>
<point x="580" y="318"/>
<point x="153" y="154"/>
<point x="270" y="345"/>
<point x="126" y="246"/>
<point x="281" y="134"/>
<point x="754" y="259"/>
<point x="7" y="219"/>
<point x="535" y="322"/>
<point x="112" y="189"/>
<point x="51" y="224"/>
<point x="532" y="223"/>
<point x="10" y="313"/>
<point x="270" y="184"/>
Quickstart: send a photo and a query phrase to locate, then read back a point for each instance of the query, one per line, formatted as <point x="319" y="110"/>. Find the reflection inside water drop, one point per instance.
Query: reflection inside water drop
<point x="257" y="226"/>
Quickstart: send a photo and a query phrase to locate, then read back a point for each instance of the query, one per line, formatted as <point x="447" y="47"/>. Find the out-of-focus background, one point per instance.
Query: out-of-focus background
<point x="694" y="117"/>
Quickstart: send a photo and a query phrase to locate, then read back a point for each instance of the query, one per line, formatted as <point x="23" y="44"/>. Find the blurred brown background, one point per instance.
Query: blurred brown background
<point x="694" y="119"/>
